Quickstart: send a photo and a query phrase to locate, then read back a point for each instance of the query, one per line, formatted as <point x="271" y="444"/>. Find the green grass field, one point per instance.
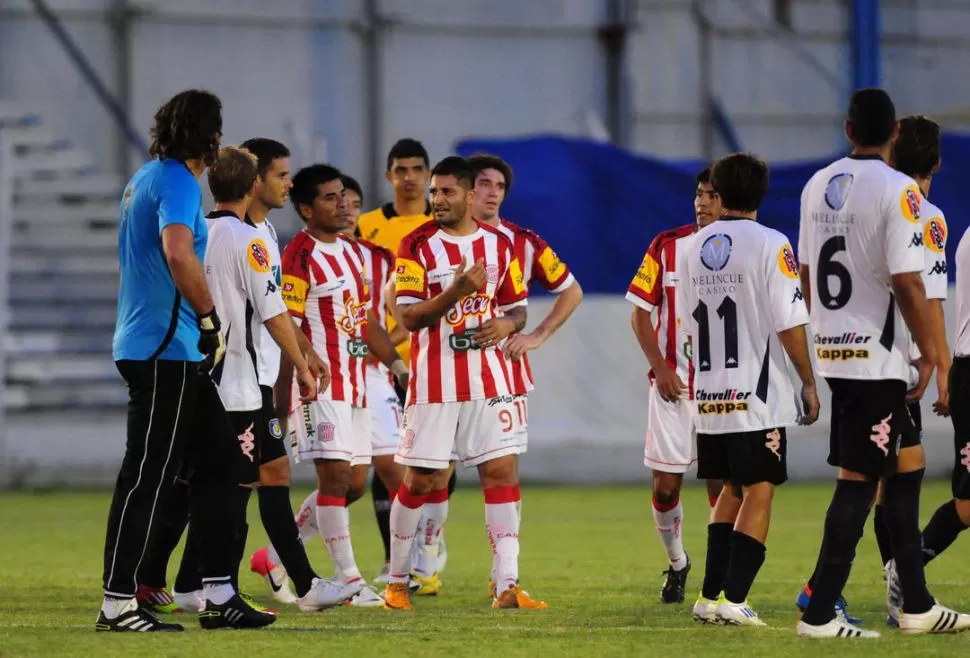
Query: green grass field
<point x="590" y="552"/>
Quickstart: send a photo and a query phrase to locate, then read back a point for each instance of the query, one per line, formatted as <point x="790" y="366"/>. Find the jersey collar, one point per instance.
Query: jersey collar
<point x="732" y="218"/>
<point x="215" y="214"/>
<point x="871" y="156"/>
<point x="390" y="211"/>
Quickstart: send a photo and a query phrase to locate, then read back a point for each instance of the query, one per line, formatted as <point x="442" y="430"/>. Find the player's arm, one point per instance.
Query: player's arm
<point x="380" y="345"/>
<point x="938" y="322"/>
<point x="790" y="317"/>
<point x="281" y="328"/>
<point x="177" y="212"/>
<point x="398" y="334"/>
<point x="417" y="309"/>
<point x="554" y="275"/>
<point x="805" y="278"/>
<point x="296" y="288"/>
<point x="804" y="225"/>
<point x="904" y="254"/>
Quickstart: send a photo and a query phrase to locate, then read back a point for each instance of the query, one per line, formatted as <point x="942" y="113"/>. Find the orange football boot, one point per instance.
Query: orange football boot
<point x="514" y="597"/>
<point x="396" y="597"/>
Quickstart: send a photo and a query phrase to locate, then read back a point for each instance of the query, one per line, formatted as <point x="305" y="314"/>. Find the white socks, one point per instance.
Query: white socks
<point x="434" y="513"/>
<point x="405" y="517"/>
<point x="217" y="593"/>
<point x="114" y="607"/>
<point x="502" y="525"/>
<point x="333" y="519"/>
<point x="668" y="519"/>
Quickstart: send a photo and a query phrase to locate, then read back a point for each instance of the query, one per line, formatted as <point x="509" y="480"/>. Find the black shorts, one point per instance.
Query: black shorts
<point x="248" y="426"/>
<point x="272" y="446"/>
<point x="869" y="421"/>
<point x="960" y="416"/>
<point x="744" y="458"/>
<point x="910" y="426"/>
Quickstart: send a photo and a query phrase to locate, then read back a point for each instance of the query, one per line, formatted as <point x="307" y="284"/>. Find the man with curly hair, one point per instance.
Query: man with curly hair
<point x="167" y="341"/>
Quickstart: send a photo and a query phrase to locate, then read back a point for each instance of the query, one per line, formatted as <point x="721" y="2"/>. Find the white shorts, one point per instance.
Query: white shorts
<point x="473" y="432"/>
<point x="327" y="429"/>
<point x="670" y="446"/>
<point x="386" y="414"/>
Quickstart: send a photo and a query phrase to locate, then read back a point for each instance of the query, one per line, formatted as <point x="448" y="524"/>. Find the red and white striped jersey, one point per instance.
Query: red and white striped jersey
<point x="325" y="289"/>
<point x="446" y="365"/>
<point x="378" y="264"/>
<point x="655" y="288"/>
<point x="539" y="263"/>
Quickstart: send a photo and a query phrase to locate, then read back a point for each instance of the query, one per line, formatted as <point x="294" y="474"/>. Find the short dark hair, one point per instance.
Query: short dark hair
<point x="266" y="150"/>
<point x="350" y="183"/>
<point x="458" y="167"/>
<point x="872" y="117"/>
<point x="916" y="152"/>
<point x="703" y="176"/>
<point x="741" y="180"/>
<point x="407" y="148"/>
<point x="479" y="162"/>
<point x="307" y="180"/>
<point x="232" y="175"/>
<point x="187" y="127"/>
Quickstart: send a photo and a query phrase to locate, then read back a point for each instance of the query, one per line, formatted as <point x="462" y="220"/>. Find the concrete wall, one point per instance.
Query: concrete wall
<point x="587" y="418"/>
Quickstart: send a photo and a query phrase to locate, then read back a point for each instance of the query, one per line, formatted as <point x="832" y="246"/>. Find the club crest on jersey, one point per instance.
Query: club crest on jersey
<point x="257" y="255"/>
<point x="910" y="203"/>
<point x="355" y="314"/>
<point x="470" y="306"/>
<point x="787" y="263"/>
<point x="934" y="235"/>
<point x="492" y="272"/>
<point x="716" y="251"/>
<point x="326" y="432"/>
<point x="837" y="191"/>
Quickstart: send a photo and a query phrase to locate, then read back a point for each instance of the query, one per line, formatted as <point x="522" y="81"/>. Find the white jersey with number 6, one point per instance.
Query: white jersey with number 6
<point x="739" y="286"/>
<point x="860" y="225"/>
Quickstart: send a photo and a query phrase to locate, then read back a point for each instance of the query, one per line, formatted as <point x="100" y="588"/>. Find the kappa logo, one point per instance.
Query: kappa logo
<point x="880" y="434"/>
<point x="798" y="296"/>
<point x="939" y="267"/>
<point x="270" y="288"/>
<point x="247" y="442"/>
<point x="773" y="443"/>
<point x="917" y="240"/>
<point x="965" y="453"/>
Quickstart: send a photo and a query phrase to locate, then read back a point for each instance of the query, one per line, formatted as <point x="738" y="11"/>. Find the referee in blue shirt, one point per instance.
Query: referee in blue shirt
<point x="166" y="341"/>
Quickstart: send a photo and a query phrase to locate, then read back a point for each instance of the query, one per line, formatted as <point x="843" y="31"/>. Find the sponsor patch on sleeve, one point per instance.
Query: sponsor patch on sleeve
<point x="551" y="265"/>
<point x="934" y="235"/>
<point x="787" y="263"/>
<point x="294" y="293"/>
<point x="409" y="277"/>
<point x="257" y="255"/>
<point x="646" y="277"/>
<point x="515" y="273"/>
<point x="910" y="203"/>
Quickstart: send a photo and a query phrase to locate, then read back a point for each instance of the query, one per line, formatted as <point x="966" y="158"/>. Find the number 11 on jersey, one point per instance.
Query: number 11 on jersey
<point x="727" y="311"/>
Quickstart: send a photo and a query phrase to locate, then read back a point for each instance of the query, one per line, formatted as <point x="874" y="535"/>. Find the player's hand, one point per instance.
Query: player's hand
<point x="319" y="369"/>
<point x="401" y="374"/>
<point x="308" y="385"/>
<point x="810" y="404"/>
<point x="668" y="383"/>
<point x="516" y="346"/>
<point x="925" y="369"/>
<point x="491" y="332"/>
<point x="468" y="281"/>
<point x="212" y="343"/>
<point x="942" y="405"/>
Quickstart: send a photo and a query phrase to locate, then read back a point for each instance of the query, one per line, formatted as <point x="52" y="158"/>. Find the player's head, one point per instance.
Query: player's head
<point x="452" y="190"/>
<point x="916" y="151"/>
<point x="407" y="169"/>
<point x="232" y="177"/>
<point x="707" y="204"/>
<point x="872" y="118"/>
<point x="318" y="197"/>
<point x="741" y="182"/>
<point x="493" y="180"/>
<point x="273" y="185"/>
<point x="355" y="202"/>
<point x="188" y="127"/>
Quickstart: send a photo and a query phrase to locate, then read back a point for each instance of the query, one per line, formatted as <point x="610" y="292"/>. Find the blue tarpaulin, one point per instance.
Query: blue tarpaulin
<point x="599" y="206"/>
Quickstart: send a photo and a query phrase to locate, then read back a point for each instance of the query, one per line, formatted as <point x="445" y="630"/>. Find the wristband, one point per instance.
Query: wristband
<point x="209" y="322"/>
<point x="398" y="368"/>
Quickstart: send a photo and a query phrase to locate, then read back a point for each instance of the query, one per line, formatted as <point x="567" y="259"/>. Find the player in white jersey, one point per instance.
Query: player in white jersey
<point x="238" y="269"/>
<point x="285" y="558"/>
<point x="670" y="449"/>
<point x="493" y="181"/>
<point x="744" y="313"/>
<point x="460" y="292"/>
<point x="325" y="288"/>
<point x="917" y="154"/>
<point x="861" y="252"/>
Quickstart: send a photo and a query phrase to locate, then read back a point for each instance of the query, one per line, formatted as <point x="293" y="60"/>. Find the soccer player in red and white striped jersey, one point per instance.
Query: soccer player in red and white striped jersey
<point x="493" y="181"/>
<point x="459" y="290"/>
<point x="670" y="449"/>
<point x="325" y="288"/>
